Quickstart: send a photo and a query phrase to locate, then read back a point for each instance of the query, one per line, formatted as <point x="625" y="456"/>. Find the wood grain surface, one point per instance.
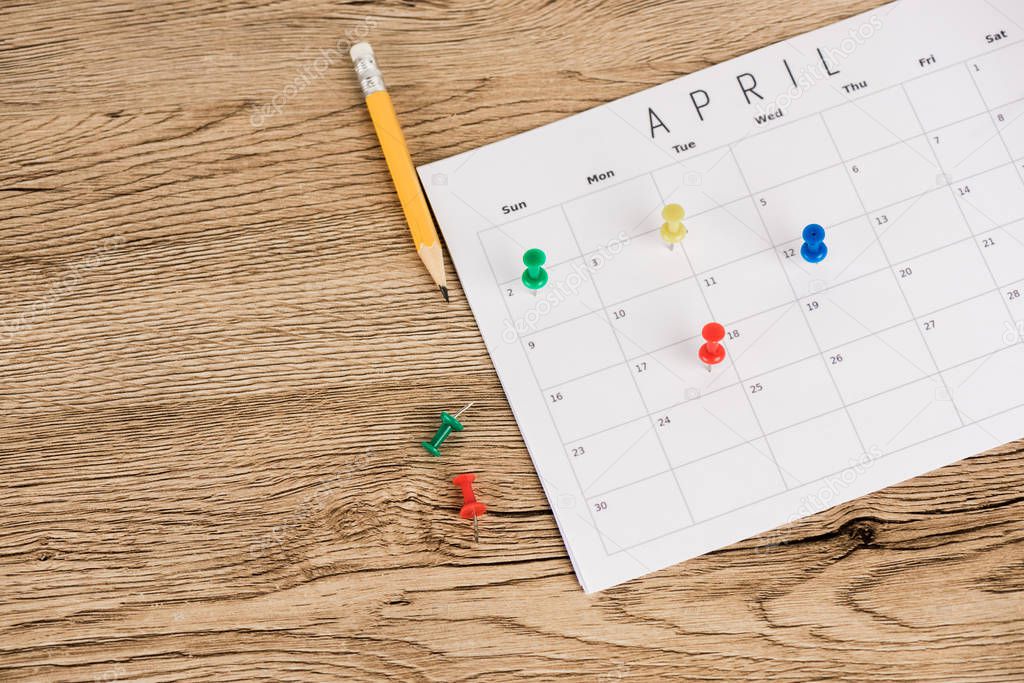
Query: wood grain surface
<point x="219" y="351"/>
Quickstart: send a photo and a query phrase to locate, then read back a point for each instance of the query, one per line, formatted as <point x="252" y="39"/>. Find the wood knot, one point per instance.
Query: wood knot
<point x="862" y="531"/>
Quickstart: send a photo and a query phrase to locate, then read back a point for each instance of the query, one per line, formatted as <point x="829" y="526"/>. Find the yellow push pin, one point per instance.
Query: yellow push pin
<point x="672" y="230"/>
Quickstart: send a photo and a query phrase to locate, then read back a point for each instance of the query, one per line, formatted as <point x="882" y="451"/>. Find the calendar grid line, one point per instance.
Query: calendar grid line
<point x="707" y="304"/>
<point x="1002" y="139"/>
<point x="915" y="318"/>
<point x="629" y="448"/>
<point x="881" y="338"/>
<point x="746" y="442"/>
<point x="970" y="228"/>
<point x="726" y="264"/>
<point x="959" y="205"/>
<point x="998" y="134"/>
<point x="734" y="358"/>
<point x="910" y="203"/>
<point x="738" y="198"/>
<point x="732" y="364"/>
<point x="877" y="240"/>
<point x="636" y="385"/>
<point x="925" y="375"/>
<point x="749" y="442"/>
<point x="650" y="415"/>
<point x="554" y="425"/>
<point x="608" y="322"/>
<point x="718" y="205"/>
<point x="764" y="251"/>
<point x="888" y="260"/>
<point x="822" y="478"/>
<point x="710" y="150"/>
<point x="995" y="125"/>
<point x="796" y="300"/>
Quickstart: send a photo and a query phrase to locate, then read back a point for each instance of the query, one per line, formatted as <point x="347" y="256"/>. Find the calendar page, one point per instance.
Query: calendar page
<point x="900" y="132"/>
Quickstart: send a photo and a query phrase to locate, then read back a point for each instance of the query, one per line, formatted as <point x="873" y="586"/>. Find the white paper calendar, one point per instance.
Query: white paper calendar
<point x="901" y="131"/>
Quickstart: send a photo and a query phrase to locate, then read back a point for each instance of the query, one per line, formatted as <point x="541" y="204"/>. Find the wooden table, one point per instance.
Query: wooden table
<point x="219" y="351"/>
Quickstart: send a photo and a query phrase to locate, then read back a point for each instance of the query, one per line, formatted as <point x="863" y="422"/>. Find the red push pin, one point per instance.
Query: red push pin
<point x="471" y="509"/>
<point x="712" y="352"/>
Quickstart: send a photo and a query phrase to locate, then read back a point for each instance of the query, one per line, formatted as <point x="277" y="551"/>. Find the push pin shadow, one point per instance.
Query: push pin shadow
<point x="449" y="423"/>
<point x="471" y="508"/>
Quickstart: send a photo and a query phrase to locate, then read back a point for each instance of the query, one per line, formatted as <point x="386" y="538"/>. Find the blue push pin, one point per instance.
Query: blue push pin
<point x="814" y="249"/>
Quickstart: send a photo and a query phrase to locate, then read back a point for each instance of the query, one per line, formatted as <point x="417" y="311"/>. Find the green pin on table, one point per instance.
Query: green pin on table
<point x="449" y="423"/>
<point x="535" y="277"/>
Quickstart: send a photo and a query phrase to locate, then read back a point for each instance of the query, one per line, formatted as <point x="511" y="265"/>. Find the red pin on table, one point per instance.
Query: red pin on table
<point x="471" y="508"/>
<point x="712" y="352"/>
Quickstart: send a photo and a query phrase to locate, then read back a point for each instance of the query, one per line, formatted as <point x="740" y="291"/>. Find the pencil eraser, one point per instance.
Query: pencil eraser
<point x="359" y="51"/>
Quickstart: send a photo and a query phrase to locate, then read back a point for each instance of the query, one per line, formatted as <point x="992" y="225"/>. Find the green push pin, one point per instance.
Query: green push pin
<point x="535" y="277"/>
<point x="448" y="424"/>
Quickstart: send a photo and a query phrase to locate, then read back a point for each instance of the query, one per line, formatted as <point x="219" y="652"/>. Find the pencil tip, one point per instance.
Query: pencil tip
<point x="444" y="292"/>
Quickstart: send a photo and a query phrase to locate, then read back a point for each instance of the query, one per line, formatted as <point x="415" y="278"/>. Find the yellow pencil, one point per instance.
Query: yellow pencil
<point x="403" y="173"/>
